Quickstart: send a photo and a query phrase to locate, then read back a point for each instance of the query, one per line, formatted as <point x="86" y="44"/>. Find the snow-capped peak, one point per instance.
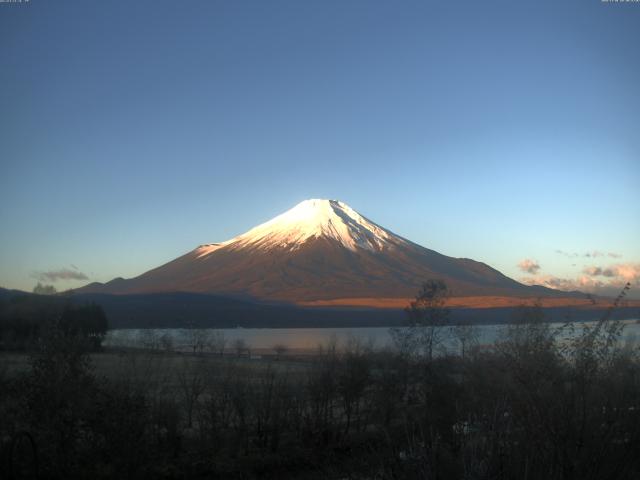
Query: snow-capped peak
<point x="317" y="218"/>
<point x="208" y="248"/>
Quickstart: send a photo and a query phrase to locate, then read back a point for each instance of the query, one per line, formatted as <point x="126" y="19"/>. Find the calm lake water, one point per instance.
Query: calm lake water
<point x="307" y="339"/>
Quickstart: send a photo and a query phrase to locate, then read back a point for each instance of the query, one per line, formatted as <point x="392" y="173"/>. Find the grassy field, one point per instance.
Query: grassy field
<point x="528" y="407"/>
<point x="142" y="367"/>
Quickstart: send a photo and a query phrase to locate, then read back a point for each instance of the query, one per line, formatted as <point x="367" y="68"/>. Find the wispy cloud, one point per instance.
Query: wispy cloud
<point x="559" y="283"/>
<point x="595" y="279"/>
<point x="598" y="272"/>
<point x="53" y="276"/>
<point x="591" y="254"/>
<point x="629" y="272"/>
<point x="567" y="254"/>
<point x="529" y="266"/>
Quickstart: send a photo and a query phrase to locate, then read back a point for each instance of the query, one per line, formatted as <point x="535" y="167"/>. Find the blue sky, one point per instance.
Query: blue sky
<point x="502" y="131"/>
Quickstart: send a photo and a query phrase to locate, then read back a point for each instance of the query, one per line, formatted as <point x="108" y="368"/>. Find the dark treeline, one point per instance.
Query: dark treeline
<point x="25" y="319"/>
<point x="530" y="407"/>
<point x="193" y="310"/>
<point x="179" y="310"/>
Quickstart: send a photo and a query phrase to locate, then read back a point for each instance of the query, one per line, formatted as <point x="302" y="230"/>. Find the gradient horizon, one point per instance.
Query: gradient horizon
<point x="132" y="132"/>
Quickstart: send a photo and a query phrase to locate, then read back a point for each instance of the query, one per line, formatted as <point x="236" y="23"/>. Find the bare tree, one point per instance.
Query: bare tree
<point x="149" y="339"/>
<point x="427" y="314"/>
<point x="41" y="289"/>
<point x="166" y="341"/>
<point x="191" y="378"/>
<point x="241" y="347"/>
<point x="353" y="379"/>
<point x="199" y="339"/>
<point x="218" y="342"/>
<point x="466" y="336"/>
<point x="280" y="349"/>
<point x="404" y="340"/>
<point x="321" y="389"/>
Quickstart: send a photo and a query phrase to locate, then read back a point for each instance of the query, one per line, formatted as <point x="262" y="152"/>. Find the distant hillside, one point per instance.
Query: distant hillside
<point x="192" y="310"/>
<point x="6" y="293"/>
<point x="187" y="310"/>
<point x="320" y="251"/>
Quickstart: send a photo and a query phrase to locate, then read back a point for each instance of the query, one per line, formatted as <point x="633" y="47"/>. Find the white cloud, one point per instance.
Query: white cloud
<point x="529" y="266"/>
<point x="591" y="254"/>
<point x="607" y="281"/>
<point x="60" y="274"/>
<point x="629" y="272"/>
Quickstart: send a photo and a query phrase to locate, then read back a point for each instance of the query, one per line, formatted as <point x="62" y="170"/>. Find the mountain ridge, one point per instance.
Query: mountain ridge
<point x="319" y="250"/>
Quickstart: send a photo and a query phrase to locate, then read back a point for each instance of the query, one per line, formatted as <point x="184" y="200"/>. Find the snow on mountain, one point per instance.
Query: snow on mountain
<point x="318" y="250"/>
<point x="204" y="250"/>
<point x="316" y="218"/>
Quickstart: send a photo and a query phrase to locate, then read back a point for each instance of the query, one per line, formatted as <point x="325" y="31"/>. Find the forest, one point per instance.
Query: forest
<point x="530" y="406"/>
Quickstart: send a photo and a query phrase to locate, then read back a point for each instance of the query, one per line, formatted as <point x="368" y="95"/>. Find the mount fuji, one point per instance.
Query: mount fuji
<point x="320" y="252"/>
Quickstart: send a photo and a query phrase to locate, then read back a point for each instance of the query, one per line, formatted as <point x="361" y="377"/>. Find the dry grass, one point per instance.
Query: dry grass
<point x="467" y="302"/>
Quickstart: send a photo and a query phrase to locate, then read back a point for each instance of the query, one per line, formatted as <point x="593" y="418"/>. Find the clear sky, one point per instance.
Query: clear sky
<point x="507" y="132"/>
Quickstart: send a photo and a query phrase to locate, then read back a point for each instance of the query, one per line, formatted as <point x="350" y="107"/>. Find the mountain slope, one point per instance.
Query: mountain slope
<point x="318" y="250"/>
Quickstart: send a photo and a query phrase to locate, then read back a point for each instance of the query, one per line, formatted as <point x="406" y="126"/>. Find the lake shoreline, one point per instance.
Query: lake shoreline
<point x="299" y="340"/>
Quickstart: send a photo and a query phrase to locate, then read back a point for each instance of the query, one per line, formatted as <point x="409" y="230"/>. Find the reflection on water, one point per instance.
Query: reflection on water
<point x="304" y="339"/>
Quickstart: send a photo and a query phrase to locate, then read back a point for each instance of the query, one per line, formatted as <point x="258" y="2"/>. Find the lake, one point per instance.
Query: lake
<point x="263" y="340"/>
